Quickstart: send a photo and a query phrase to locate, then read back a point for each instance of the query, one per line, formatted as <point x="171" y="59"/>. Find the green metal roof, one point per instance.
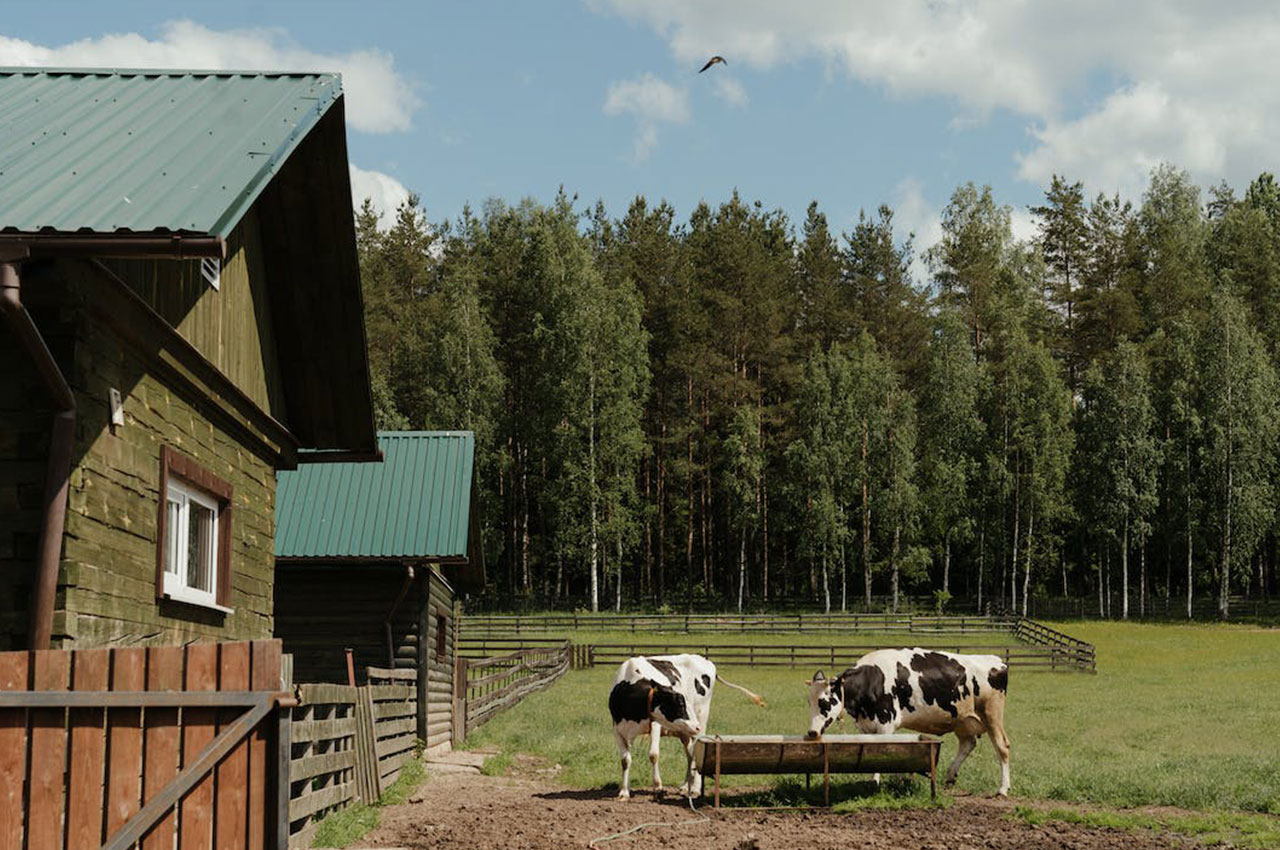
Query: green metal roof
<point x="111" y="151"/>
<point x="416" y="503"/>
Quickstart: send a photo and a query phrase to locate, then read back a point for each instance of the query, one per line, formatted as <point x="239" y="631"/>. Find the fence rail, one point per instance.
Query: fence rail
<point x="485" y="687"/>
<point x="1038" y="647"/>
<point x="348" y="743"/>
<point x="492" y="625"/>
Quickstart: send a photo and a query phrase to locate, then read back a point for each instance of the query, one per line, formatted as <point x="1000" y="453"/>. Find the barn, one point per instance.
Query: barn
<point x="182" y="319"/>
<point x="371" y="557"/>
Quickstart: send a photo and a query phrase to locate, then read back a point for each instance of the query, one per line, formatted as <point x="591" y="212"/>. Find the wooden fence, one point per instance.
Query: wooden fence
<point x="1039" y="646"/>
<point x="493" y="625"/>
<point x="485" y="687"/>
<point x="348" y="744"/>
<point x="165" y="746"/>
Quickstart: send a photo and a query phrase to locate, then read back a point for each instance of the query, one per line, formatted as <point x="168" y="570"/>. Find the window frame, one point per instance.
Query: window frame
<point x="193" y="483"/>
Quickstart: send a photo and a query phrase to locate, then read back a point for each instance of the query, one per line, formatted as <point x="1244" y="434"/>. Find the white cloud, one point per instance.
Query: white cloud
<point x="652" y="102"/>
<point x="915" y="214"/>
<point x="379" y="100"/>
<point x="384" y="191"/>
<point x="729" y="90"/>
<point x="1182" y="80"/>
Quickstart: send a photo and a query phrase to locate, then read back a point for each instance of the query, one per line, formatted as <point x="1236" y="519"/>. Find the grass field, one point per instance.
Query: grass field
<point x="1181" y="716"/>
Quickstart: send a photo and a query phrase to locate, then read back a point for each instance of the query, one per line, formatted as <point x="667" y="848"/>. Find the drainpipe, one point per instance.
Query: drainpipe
<point x="40" y="627"/>
<point x="404" y="588"/>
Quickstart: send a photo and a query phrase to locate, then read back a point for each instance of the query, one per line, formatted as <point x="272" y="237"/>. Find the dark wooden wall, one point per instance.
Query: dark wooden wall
<point x="320" y="611"/>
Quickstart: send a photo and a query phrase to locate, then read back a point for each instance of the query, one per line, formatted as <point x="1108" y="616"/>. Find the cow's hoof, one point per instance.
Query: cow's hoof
<point x="624" y="795"/>
<point x="1003" y="795"/>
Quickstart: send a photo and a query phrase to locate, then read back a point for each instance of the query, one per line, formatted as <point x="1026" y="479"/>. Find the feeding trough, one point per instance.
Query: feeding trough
<point x="715" y="755"/>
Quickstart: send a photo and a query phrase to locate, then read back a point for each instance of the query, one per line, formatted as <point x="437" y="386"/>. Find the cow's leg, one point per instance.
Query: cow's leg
<point x="966" y="745"/>
<point x="993" y="715"/>
<point x="624" y="754"/>
<point x="655" y="739"/>
<point x="692" y="786"/>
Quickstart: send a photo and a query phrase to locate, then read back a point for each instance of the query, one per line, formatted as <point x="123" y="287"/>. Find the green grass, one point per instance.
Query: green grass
<point x="346" y="826"/>
<point x="1177" y="715"/>
<point x="1238" y="830"/>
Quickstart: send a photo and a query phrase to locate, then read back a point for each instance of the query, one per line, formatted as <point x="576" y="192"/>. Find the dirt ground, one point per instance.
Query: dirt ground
<point x="527" y="813"/>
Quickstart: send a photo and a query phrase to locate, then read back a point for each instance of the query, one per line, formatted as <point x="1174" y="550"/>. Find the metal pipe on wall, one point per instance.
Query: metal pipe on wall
<point x="62" y="436"/>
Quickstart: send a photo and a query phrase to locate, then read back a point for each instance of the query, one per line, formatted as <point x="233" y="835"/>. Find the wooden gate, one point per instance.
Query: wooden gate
<point x="159" y="747"/>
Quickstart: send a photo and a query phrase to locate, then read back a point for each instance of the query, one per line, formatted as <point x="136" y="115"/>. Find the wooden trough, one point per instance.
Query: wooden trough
<point x="715" y="755"/>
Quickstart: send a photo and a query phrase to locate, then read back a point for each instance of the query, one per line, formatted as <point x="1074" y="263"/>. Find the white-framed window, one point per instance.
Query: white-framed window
<point x="191" y="544"/>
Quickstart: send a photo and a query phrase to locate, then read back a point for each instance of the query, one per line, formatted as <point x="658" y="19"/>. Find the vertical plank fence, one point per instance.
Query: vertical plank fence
<point x="116" y="748"/>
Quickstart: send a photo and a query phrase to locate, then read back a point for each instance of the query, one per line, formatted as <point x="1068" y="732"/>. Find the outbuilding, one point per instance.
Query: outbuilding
<point x="371" y="557"/>
<point x="181" y="319"/>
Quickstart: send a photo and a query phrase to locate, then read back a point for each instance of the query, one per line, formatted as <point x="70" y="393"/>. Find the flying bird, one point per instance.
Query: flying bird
<point x="713" y="60"/>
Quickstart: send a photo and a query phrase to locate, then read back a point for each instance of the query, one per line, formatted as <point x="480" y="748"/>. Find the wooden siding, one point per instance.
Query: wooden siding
<point x="107" y="586"/>
<point x="231" y="326"/>
<point x="320" y="611"/>
<point x="435" y="677"/>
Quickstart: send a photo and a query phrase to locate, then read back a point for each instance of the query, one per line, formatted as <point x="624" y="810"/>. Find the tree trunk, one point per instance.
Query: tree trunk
<point x="982" y="562"/>
<point x="946" y="561"/>
<point x="893" y="564"/>
<point x="742" y="563"/>
<point x="1225" y="587"/>
<point x="1124" y="570"/>
<point x="826" y="583"/>
<point x="1026" y="570"/>
<point x="1013" y="562"/>
<point x="844" y="582"/>
<point x="591" y="489"/>
<point x="866" y="522"/>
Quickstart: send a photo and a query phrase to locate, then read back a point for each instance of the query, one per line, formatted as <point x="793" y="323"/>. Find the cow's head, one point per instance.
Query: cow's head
<point x="826" y="703"/>
<point x="669" y="709"/>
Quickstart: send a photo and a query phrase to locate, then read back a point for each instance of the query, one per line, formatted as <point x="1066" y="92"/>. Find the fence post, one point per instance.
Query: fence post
<point x="284" y="754"/>
<point x="459" y="701"/>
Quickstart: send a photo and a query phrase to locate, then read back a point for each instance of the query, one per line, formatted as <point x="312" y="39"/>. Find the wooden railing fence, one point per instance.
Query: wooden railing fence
<point x="157" y="747"/>
<point x="485" y="687"/>
<point x="348" y="744"/>
<point x="492" y="625"/>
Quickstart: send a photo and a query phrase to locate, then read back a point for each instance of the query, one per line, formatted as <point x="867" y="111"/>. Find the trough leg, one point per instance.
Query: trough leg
<point x="717" y="774"/>
<point x="826" y="776"/>
<point x="933" y="772"/>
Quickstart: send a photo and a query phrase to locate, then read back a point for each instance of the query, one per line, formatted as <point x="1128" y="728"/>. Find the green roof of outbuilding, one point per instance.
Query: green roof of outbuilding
<point x="416" y="503"/>
<point x="129" y="151"/>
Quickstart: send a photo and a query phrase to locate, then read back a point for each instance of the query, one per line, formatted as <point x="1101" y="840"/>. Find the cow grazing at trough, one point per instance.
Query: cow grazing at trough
<point x="923" y="690"/>
<point x="671" y="692"/>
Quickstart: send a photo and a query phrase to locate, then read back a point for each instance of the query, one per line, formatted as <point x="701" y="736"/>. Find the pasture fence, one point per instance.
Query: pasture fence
<point x="930" y="624"/>
<point x="486" y="686"/>
<point x="347" y="744"/>
<point x="1038" y="646"/>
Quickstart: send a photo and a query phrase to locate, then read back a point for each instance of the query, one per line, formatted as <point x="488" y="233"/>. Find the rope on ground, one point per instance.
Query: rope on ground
<point x="700" y="819"/>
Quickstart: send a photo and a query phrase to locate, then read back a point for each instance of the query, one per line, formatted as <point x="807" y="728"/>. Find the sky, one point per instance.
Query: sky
<point x="848" y="103"/>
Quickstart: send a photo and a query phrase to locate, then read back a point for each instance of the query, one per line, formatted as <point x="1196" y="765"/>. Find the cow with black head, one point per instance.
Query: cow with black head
<point x="923" y="690"/>
<point x="663" y="692"/>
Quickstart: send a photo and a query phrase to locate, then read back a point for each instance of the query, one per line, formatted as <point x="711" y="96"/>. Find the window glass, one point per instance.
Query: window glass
<point x="173" y="534"/>
<point x="200" y="547"/>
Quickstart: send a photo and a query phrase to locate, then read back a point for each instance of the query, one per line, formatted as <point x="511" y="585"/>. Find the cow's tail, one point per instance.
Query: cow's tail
<point x="756" y="698"/>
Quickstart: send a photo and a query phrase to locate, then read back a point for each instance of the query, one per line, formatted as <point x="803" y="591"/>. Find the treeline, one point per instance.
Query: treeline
<point x="733" y="408"/>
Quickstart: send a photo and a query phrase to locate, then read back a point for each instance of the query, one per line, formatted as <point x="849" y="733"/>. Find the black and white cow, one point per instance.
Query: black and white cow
<point x="671" y="692"/>
<point x="923" y="690"/>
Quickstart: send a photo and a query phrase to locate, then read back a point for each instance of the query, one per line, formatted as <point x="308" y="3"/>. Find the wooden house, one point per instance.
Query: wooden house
<point x="371" y="556"/>
<point x="182" y="318"/>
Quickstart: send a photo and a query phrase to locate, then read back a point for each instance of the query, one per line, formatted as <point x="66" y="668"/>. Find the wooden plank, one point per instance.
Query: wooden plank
<point x="325" y="798"/>
<point x="323" y="694"/>
<point x="310" y="767"/>
<point x="15" y="669"/>
<point x="392" y="746"/>
<point x="323" y="730"/>
<point x="266" y="662"/>
<point x="195" y="811"/>
<point x="390" y="692"/>
<point x="164" y="673"/>
<point x="51" y="672"/>
<point x="407" y="708"/>
<point x="390" y="673"/>
<point x="230" y="820"/>
<point x="124" y="739"/>
<point x="91" y="671"/>
<point x="387" y="728"/>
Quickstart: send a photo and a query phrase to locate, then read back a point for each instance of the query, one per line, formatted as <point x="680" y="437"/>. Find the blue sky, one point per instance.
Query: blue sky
<point x="851" y="104"/>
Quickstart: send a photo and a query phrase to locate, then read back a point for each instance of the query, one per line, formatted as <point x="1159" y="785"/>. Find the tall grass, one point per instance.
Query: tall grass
<point x="1177" y="715"/>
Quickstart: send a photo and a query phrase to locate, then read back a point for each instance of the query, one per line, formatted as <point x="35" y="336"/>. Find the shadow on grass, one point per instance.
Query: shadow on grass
<point x="847" y="795"/>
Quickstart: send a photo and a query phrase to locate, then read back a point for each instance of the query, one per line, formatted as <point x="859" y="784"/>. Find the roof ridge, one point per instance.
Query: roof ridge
<point x="105" y="71"/>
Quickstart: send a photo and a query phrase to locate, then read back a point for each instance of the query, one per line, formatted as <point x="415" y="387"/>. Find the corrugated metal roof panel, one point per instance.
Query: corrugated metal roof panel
<point x="415" y="504"/>
<point x="109" y="151"/>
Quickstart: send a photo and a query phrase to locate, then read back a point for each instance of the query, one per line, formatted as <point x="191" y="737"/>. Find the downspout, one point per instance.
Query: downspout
<point x="404" y="588"/>
<point x="40" y="627"/>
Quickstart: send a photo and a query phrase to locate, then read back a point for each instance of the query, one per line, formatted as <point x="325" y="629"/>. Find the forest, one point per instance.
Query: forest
<point x="739" y="408"/>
